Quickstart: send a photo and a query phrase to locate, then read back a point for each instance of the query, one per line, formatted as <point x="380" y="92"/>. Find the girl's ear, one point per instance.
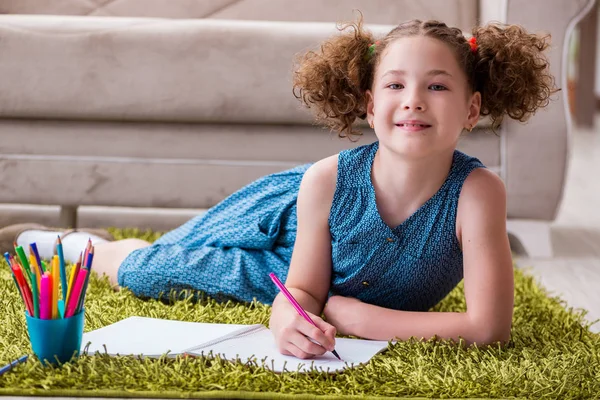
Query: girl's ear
<point x="474" y="109"/>
<point x="370" y="106"/>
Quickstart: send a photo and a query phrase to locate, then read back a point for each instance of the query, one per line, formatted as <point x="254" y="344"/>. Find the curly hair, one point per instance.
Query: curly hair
<point x="508" y="68"/>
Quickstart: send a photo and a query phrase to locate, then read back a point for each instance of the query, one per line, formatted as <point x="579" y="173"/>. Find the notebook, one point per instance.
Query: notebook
<point x="152" y="337"/>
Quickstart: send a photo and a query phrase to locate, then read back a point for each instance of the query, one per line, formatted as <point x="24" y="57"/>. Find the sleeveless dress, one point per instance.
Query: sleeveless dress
<point x="229" y="251"/>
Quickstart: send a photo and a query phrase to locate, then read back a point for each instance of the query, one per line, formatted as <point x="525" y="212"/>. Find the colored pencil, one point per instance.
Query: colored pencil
<point x="35" y="270"/>
<point x="34" y="294"/>
<point x="74" y="272"/>
<point x="25" y="291"/>
<point x="87" y="279"/>
<point x="46" y="297"/>
<point x="33" y="250"/>
<point x="26" y="278"/>
<point x="55" y="280"/>
<point x="296" y="305"/>
<point x="38" y="282"/>
<point x="74" y="297"/>
<point x="23" y="258"/>
<point x="63" y="272"/>
<point x="7" y="257"/>
<point x="86" y="253"/>
<point x="13" y="364"/>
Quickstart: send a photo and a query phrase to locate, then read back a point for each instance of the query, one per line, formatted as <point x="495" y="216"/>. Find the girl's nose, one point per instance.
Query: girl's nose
<point x="418" y="107"/>
<point x="414" y="102"/>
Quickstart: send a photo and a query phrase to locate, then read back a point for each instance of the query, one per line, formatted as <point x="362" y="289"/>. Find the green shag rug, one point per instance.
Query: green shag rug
<point x="552" y="354"/>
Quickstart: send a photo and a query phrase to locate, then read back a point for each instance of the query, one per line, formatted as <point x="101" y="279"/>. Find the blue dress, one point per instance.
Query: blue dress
<point x="228" y="252"/>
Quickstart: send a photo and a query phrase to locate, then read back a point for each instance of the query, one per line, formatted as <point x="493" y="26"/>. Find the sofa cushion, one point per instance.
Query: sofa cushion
<point x="152" y="69"/>
<point x="178" y="165"/>
<point x="460" y="13"/>
<point x="134" y="69"/>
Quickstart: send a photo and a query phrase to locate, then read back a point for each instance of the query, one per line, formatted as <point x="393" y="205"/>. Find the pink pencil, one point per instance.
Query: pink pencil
<point x="295" y="304"/>
<point x="46" y="297"/>
<point x="76" y="293"/>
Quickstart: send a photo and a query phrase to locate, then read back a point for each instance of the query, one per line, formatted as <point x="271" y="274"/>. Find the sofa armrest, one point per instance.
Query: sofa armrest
<point x="535" y="154"/>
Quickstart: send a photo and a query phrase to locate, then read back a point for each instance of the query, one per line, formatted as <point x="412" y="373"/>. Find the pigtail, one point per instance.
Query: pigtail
<point x="511" y="72"/>
<point x="333" y="81"/>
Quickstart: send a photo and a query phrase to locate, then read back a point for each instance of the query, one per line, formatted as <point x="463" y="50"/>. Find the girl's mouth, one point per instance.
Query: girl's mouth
<point x="413" y="127"/>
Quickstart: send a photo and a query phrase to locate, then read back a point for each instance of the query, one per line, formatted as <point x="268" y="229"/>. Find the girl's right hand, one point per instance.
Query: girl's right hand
<point x="295" y="336"/>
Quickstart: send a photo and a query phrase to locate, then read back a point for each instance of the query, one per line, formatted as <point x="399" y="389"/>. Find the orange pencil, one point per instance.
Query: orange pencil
<point x="55" y="279"/>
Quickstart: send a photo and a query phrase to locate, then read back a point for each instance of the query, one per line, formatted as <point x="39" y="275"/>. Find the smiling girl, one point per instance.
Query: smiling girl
<point x="375" y="236"/>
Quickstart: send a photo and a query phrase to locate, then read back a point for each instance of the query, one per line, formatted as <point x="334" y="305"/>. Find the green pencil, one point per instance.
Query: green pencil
<point x="25" y="264"/>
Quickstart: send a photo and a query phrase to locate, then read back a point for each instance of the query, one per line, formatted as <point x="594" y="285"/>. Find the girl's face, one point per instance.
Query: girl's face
<point x="420" y="100"/>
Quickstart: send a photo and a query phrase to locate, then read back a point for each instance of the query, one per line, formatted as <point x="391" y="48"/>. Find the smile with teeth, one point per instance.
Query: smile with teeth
<point x="413" y="125"/>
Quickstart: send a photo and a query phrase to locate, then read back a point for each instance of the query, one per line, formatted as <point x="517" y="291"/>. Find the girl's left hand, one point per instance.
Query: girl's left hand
<point x="345" y="314"/>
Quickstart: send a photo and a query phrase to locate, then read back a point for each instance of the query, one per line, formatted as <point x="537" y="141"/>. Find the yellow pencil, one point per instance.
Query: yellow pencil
<point x="36" y="270"/>
<point x="55" y="278"/>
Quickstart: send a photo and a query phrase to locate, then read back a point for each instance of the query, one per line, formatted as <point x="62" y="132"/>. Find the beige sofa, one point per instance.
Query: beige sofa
<point x="141" y="113"/>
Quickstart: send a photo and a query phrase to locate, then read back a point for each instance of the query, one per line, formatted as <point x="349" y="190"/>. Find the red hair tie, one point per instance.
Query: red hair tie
<point x="473" y="44"/>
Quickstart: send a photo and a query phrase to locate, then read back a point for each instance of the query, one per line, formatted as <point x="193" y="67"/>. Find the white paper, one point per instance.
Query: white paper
<point x="261" y="345"/>
<point x="152" y="337"/>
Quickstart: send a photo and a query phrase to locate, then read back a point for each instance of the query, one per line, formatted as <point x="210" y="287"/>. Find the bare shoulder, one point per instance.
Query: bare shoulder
<point x="323" y="171"/>
<point x="483" y="197"/>
<point x="483" y="185"/>
<point x="319" y="181"/>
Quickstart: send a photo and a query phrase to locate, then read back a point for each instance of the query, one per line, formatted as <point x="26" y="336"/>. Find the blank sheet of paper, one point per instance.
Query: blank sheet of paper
<point x="152" y="337"/>
<point x="261" y="345"/>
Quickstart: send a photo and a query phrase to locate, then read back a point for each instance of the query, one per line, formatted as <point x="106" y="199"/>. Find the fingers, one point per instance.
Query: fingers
<point x="302" y="346"/>
<point x="305" y="340"/>
<point x="294" y="351"/>
<point x="327" y="329"/>
<point x="298" y="337"/>
<point x="316" y="334"/>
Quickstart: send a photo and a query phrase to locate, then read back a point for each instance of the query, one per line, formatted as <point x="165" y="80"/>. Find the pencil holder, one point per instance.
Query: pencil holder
<point x="56" y="340"/>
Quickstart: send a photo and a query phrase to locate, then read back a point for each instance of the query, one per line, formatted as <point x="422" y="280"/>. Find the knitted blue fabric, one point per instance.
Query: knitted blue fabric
<point x="408" y="267"/>
<point x="229" y="251"/>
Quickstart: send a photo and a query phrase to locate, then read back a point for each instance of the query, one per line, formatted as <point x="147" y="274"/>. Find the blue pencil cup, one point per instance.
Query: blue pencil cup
<point x="56" y="340"/>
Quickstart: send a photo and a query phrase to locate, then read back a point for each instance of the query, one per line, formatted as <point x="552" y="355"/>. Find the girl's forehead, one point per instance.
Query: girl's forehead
<point x="417" y="52"/>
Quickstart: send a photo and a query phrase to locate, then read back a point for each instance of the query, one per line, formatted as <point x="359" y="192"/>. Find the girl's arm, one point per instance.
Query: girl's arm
<point x="309" y="275"/>
<point x="488" y="280"/>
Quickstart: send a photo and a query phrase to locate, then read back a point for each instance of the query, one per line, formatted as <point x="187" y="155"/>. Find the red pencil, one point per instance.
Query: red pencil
<point x="25" y="291"/>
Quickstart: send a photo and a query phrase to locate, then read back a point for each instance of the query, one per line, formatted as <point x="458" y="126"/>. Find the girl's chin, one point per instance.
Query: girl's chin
<point x="414" y="148"/>
<point x="410" y="150"/>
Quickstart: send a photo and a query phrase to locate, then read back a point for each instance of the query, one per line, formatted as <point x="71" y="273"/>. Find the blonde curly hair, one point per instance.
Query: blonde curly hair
<point x="508" y="68"/>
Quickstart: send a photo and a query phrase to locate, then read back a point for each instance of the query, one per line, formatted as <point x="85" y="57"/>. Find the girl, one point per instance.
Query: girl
<point x="380" y="233"/>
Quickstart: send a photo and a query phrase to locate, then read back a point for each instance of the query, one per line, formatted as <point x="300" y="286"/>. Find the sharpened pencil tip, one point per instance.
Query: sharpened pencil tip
<point x="336" y="354"/>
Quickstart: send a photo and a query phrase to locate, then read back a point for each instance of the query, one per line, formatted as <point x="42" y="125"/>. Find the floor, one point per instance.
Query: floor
<point x="573" y="272"/>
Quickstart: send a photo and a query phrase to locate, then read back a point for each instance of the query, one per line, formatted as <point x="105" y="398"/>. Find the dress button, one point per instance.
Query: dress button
<point x="365" y="283"/>
<point x="390" y="239"/>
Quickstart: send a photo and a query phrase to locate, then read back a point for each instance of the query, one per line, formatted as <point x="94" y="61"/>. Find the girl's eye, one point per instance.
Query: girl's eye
<point x="438" y="87"/>
<point x="394" y="86"/>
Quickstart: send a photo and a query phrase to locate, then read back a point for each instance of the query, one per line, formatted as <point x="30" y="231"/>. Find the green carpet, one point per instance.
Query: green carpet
<point x="552" y="354"/>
